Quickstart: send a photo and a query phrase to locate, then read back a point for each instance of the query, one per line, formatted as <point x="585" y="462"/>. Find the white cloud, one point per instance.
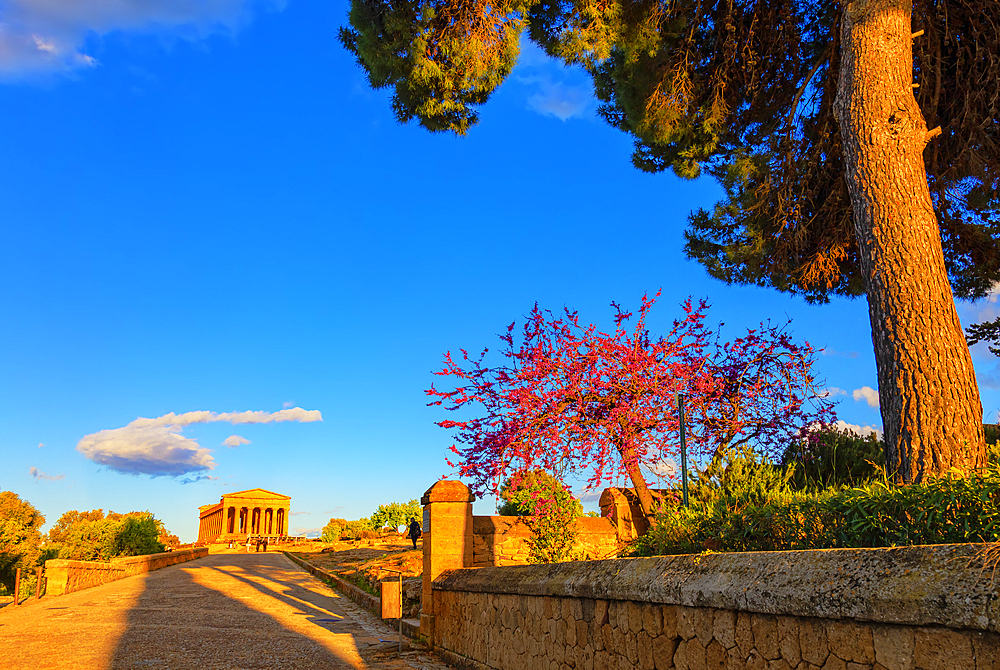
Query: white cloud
<point x="38" y="474"/>
<point x="868" y="394"/>
<point x="288" y="404"/>
<point x="863" y="431"/>
<point x="830" y="391"/>
<point x="833" y="352"/>
<point x="664" y="468"/>
<point x="235" y="441"/>
<point x="45" y="36"/>
<point x="556" y="90"/>
<point x="156" y="447"/>
<point x="41" y="444"/>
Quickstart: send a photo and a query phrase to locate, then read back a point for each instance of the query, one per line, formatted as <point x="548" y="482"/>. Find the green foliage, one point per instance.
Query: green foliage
<point x="440" y="59"/>
<point x="834" y="458"/>
<point x="754" y="508"/>
<point x="361" y="529"/>
<point x="19" y="538"/>
<point x="333" y="530"/>
<point x="395" y="514"/>
<point x="91" y="536"/>
<point x="549" y="510"/>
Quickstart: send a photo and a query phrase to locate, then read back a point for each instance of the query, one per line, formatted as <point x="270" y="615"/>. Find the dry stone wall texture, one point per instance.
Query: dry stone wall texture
<point x="64" y="576"/>
<point x="556" y="619"/>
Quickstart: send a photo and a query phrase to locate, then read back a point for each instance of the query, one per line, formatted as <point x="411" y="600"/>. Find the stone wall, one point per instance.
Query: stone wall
<point x="912" y="608"/>
<point x="64" y="576"/>
<point x="503" y="540"/>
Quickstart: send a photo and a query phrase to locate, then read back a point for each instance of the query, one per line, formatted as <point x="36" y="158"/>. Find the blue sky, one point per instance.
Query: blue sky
<point x="206" y="209"/>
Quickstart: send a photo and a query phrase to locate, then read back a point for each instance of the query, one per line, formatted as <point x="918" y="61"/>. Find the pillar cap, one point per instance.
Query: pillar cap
<point x="448" y="490"/>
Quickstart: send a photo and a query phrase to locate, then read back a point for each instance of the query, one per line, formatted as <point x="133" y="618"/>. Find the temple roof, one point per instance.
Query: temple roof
<point x="256" y="493"/>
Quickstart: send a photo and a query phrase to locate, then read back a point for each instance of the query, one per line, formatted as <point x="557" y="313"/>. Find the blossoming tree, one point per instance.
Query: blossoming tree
<point x="577" y="401"/>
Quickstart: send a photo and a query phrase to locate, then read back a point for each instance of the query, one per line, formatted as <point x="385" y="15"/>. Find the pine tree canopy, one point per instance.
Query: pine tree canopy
<point x="742" y="90"/>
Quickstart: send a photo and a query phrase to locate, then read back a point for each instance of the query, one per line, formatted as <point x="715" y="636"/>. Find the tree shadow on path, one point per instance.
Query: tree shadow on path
<point x="236" y="611"/>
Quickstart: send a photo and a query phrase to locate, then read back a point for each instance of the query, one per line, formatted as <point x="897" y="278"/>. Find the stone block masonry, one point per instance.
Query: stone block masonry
<point x="912" y="608"/>
<point x="64" y="576"/>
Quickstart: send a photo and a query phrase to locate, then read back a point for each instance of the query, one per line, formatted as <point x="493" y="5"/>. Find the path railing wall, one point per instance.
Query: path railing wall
<point x="903" y="608"/>
<point x="64" y="576"/>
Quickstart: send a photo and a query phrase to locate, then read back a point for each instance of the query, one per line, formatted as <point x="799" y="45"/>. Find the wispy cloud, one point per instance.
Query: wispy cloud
<point x="868" y="394"/>
<point x="49" y="36"/>
<point x="308" y="532"/>
<point x="156" y="447"/>
<point x="38" y="474"/>
<point x="830" y="391"/>
<point x="41" y="444"/>
<point x="833" y="352"/>
<point x="555" y="90"/>
<point x="235" y="441"/>
<point x="198" y="478"/>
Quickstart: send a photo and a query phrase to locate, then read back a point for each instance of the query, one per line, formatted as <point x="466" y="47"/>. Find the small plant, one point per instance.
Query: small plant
<point x="549" y="510"/>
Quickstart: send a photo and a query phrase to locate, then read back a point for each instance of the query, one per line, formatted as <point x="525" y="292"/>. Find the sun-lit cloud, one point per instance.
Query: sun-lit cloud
<point x="235" y="441"/>
<point x="156" y="447"/>
<point x="41" y="444"/>
<point x="49" y="36"/>
<point x="863" y="431"/>
<point x="38" y="474"/>
<point x="868" y="394"/>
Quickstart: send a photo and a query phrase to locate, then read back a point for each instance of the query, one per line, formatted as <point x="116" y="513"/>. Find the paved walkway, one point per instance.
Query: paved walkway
<point x="228" y="611"/>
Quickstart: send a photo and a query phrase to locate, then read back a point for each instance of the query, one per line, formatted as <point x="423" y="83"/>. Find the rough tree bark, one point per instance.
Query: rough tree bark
<point x="931" y="411"/>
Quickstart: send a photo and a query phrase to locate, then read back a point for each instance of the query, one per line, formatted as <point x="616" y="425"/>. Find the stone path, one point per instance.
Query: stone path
<point x="228" y="611"/>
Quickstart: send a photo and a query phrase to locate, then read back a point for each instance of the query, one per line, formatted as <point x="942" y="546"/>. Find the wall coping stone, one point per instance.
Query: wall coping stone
<point x="945" y="585"/>
<point x="447" y="490"/>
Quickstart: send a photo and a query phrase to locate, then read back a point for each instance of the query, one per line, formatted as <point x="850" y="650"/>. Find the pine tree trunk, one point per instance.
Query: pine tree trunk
<point x="931" y="412"/>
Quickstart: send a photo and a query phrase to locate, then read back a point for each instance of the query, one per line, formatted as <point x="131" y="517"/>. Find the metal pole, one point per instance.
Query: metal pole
<point x="684" y="455"/>
<point x="17" y="587"/>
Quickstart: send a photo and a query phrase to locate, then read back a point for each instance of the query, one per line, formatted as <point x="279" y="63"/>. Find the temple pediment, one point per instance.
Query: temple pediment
<point x="257" y="493"/>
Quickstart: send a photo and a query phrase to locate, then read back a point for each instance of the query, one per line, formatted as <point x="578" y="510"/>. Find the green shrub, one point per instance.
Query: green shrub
<point x="360" y="529"/>
<point x="333" y="530"/>
<point x="549" y="510"/>
<point x="834" y="458"/>
<point x="395" y="515"/>
<point x="96" y="538"/>
<point x="877" y="514"/>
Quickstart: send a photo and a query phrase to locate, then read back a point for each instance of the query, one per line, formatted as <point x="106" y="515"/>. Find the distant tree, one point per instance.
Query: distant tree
<point x="574" y="400"/>
<point x="395" y="514"/>
<point x="814" y="118"/>
<point x="333" y="529"/>
<point x="832" y="457"/>
<point x="20" y="538"/>
<point x="550" y="511"/>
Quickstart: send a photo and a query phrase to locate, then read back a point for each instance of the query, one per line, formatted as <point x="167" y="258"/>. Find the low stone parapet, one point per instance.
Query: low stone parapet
<point x="64" y="576"/>
<point x="864" y="609"/>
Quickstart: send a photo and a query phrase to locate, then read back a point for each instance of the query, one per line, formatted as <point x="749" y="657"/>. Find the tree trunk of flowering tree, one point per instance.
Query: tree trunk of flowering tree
<point x="642" y="491"/>
<point x="931" y="411"/>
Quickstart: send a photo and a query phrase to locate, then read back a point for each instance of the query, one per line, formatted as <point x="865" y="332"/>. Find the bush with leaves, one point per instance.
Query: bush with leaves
<point x="20" y="538"/>
<point x="360" y="529"/>
<point x="333" y="530"/>
<point x="754" y="507"/>
<point x="394" y="515"/>
<point x="549" y="509"/>
<point x="832" y="457"/>
<point x="92" y="536"/>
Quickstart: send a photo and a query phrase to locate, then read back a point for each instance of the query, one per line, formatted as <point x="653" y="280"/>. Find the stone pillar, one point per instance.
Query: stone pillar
<point x="447" y="540"/>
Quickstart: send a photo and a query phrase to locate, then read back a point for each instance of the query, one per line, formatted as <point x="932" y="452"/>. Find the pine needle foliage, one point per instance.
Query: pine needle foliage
<point x="741" y="90"/>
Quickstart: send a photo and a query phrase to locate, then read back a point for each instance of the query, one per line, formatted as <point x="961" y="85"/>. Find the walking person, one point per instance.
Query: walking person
<point x="265" y="545"/>
<point x="415" y="531"/>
